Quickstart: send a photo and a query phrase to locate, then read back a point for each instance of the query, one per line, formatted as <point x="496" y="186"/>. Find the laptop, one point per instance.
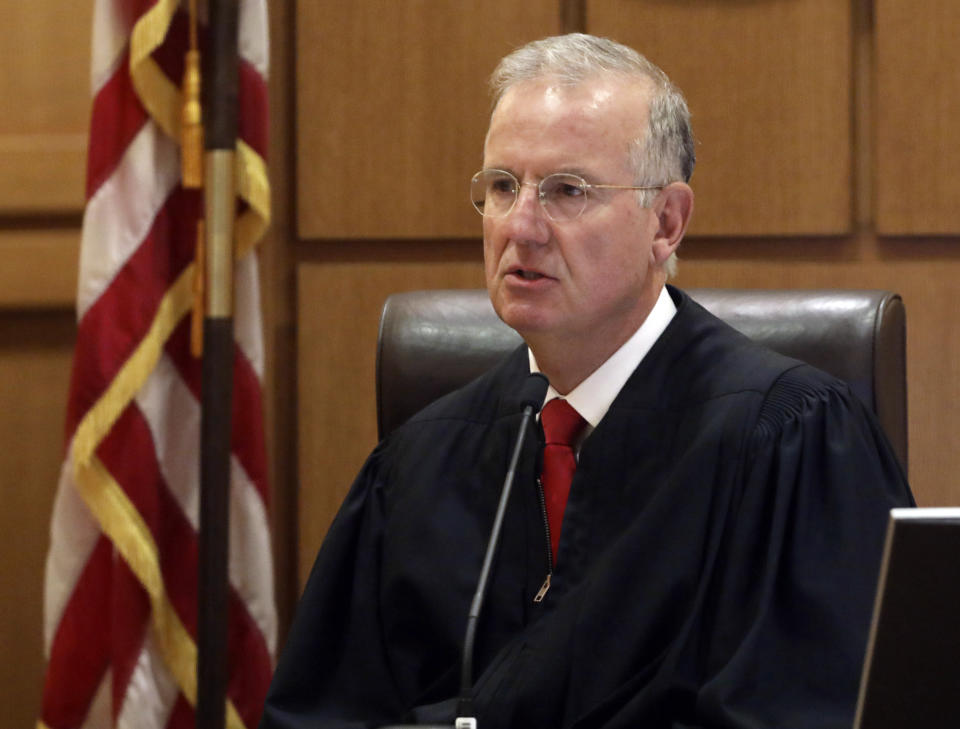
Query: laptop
<point x="911" y="672"/>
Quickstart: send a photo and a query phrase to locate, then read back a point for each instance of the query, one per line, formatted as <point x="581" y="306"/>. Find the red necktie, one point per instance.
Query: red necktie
<point x="561" y="427"/>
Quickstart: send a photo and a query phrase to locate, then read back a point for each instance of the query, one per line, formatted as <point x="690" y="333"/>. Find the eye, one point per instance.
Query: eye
<point x="502" y="185"/>
<point x="563" y="187"/>
<point x="567" y="189"/>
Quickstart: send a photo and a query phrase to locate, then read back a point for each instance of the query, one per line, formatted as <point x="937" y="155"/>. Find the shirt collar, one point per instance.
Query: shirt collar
<point x="593" y="397"/>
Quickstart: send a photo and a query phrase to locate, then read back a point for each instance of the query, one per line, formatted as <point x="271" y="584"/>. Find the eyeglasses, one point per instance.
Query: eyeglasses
<point x="563" y="195"/>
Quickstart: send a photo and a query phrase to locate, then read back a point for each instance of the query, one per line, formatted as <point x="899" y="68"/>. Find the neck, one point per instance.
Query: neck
<point x="570" y="359"/>
<point x="563" y="371"/>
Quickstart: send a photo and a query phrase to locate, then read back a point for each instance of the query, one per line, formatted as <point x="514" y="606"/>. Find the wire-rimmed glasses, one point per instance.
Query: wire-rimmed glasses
<point x="563" y="195"/>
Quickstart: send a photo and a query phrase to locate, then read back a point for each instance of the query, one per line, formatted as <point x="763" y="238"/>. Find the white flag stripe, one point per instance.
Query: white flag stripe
<point x="253" y="43"/>
<point x="151" y="693"/>
<point x="121" y="212"/>
<point x="248" y="328"/>
<point x="73" y="535"/>
<point x="110" y="33"/>
<point x="173" y="416"/>
<point x="251" y="553"/>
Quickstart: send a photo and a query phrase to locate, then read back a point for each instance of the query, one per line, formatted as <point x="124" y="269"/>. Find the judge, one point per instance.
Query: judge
<point x="695" y="540"/>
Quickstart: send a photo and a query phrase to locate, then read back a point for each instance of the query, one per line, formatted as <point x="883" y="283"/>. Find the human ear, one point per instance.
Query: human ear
<point x="674" y="207"/>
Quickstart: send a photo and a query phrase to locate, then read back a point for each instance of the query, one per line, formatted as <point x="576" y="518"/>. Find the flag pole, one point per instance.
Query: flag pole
<point x="220" y="91"/>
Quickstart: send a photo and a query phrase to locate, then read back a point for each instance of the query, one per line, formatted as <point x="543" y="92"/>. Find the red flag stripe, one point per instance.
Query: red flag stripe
<point x="116" y="118"/>
<point x="182" y="716"/>
<point x="130" y="609"/>
<point x="80" y="651"/>
<point x="253" y="125"/>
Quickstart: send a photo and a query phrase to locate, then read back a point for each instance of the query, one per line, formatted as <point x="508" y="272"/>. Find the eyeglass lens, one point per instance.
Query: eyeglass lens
<point x="495" y="192"/>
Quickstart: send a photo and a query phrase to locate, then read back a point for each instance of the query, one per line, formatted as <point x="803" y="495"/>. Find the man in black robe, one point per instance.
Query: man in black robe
<point x="720" y="546"/>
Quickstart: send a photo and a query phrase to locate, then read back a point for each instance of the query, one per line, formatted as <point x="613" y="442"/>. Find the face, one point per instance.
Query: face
<point x="592" y="280"/>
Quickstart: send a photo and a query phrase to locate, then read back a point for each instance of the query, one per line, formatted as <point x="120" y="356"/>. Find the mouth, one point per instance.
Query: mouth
<point x="526" y="274"/>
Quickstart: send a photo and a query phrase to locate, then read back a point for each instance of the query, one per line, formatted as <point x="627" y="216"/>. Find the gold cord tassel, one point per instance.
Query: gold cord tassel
<point x="191" y="113"/>
<point x="191" y="124"/>
<point x="199" y="283"/>
<point x="191" y="171"/>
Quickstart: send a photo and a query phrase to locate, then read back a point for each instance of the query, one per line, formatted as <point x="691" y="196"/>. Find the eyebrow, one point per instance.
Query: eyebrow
<point x="579" y="171"/>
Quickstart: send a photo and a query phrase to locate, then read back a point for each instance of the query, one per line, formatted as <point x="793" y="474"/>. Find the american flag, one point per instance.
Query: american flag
<point x="121" y="581"/>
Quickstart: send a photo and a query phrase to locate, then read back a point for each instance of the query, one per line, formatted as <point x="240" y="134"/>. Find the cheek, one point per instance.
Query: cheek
<point x="492" y="250"/>
<point x="489" y="265"/>
<point x="621" y="262"/>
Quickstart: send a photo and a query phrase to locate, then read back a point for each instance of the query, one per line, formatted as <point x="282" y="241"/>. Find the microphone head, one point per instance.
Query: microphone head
<point x="533" y="390"/>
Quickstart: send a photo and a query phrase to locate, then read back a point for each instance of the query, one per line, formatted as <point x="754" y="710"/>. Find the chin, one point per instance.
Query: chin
<point x="524" y="318"/>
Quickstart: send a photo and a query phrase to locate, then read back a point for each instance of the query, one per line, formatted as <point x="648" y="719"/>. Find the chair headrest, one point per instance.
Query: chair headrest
<point x="432" y="342"/>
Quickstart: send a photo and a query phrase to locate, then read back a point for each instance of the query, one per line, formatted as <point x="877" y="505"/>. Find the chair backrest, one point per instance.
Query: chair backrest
<point x="432" y="342"/>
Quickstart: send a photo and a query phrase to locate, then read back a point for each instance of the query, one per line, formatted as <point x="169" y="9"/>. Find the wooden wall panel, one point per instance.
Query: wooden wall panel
<point x="338" y="303"/>
<point x="35" y="353"/>
<point x="769" y="87"/>
<point x="39" y="267"/>
<point x="918" y="108"/>
<point x="45" y="90"/>
<point x="392" y="92"/>
<point x="278" y="292"/>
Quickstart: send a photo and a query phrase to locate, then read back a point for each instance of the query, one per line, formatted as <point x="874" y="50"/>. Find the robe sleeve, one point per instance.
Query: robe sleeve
<point x="334" y="670"/>
<point x="795" y="590"/>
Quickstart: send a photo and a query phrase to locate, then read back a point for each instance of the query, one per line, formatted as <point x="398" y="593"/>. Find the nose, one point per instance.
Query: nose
<point x="527" y="221"/>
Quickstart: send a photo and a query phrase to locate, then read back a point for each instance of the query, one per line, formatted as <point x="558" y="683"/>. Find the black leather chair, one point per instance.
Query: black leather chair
<point x="432" y="342"/>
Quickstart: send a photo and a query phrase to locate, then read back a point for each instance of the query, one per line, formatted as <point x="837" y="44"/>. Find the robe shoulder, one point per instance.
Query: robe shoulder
<point x="491" y="396"/>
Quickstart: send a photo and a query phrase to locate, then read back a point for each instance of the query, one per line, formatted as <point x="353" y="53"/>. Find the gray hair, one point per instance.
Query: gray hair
<point x="665" y="152"/>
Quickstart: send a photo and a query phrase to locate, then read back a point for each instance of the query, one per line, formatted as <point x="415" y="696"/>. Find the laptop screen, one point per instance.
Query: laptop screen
<point x="911" y="673"/>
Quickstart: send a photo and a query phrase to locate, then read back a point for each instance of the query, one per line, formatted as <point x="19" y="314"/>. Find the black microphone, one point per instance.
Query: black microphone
<point x="531" y="400"/>
<point x="532" y="393"/>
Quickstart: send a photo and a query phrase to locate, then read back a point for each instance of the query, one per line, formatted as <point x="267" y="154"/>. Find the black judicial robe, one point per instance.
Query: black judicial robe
<point x="716" y="567"/>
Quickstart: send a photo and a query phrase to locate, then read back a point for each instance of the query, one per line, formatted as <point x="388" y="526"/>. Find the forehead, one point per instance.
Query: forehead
<point x="589" y="124"/>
